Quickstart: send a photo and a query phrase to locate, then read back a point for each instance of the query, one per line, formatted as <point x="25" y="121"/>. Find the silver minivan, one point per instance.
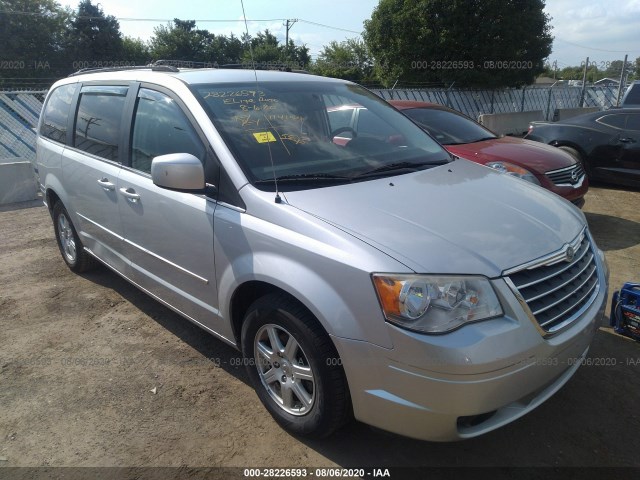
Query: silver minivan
<point x="378" y="278"/>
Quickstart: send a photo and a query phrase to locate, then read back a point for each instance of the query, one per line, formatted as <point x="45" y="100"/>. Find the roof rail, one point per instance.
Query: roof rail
<point x="280" y="67"/>
<point x="185" y="64"/>
<point x="175" y="65"/>
<point x="152" y="67"/>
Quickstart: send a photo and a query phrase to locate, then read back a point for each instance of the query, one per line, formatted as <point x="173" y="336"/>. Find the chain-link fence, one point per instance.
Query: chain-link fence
<point x="477" y="102"/>
<point x="19" y="109"/>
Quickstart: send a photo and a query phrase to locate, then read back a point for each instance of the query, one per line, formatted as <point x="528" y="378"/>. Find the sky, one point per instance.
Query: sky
<point x="603" y="30"/>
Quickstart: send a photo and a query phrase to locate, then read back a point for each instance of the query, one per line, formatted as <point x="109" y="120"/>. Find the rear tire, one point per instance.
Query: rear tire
<point x="71" y="248"/>
<point x="294" y="367"/>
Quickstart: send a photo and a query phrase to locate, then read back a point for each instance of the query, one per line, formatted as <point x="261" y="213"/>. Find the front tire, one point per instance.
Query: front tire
<point x="71" y="248"/>
<point x="578" y="157"/>
<point x="294" y="367"/>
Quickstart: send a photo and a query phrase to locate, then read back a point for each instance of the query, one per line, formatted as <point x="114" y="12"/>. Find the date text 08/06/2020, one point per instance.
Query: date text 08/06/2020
<point x="471" y="65"/>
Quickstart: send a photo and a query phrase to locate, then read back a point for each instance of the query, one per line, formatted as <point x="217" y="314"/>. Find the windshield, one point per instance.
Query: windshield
<point x="447" y="127"/>
<point x="290" y="130"/>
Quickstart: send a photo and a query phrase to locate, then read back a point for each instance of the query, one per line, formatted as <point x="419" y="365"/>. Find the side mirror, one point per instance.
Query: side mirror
<point x="178" y="171"/>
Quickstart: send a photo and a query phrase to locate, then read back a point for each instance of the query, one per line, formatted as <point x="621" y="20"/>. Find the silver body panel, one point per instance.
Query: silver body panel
<point x="322" y="245"/>
<point x="93" y="204"/>
<point x="169" y="244"/>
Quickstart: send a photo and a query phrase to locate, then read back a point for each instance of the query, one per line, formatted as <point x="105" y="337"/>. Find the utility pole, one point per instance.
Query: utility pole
<point x="288" y="24"/>
<point x="584" y="82"/>
<point x="622" y="77"/>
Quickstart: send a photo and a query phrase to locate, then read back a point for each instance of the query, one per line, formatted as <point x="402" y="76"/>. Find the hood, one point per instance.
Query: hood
<point x="459" y="218"/>
<point x="536" y="157"/>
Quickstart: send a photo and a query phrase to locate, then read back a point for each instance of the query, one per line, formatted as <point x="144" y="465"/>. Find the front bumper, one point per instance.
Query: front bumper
<point x="467" y="382"/>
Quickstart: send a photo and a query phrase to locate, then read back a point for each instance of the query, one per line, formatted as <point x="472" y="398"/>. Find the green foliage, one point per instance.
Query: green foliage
<point x="267" y="50"/>
<point x="224" y="50"/>
<point x="94" y="36"/>
<point x="135" y="51"/>
<point x="487" y="43"/>
<point x="180" y="41"/>
<point x="349" y="60"/>
<point x="599" y="70"/>
<point x="31" y="41"/>
<point x="297" y="56"/>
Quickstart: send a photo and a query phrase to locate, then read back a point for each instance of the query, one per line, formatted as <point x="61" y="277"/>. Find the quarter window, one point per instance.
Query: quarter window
<point x="160" y="127"/>
<point x="98" y="120"/>
<point x="56" y="113"/>
<point x="615" y="121"/>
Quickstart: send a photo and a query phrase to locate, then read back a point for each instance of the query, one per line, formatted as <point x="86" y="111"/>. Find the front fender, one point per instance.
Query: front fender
<point x="331" y="278"/>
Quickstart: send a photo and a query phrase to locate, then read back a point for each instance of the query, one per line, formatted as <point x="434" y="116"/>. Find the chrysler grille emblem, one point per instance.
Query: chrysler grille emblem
<point x="570" y="254"/>
<point x="574" y="176"/>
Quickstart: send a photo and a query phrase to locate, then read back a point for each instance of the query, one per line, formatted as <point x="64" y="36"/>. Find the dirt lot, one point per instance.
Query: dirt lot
<point x="80" y="356"/>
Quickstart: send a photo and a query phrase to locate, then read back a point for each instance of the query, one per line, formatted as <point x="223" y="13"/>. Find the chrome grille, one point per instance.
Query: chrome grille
<point x="567" y="176"/>
<point x="557" y="291"/>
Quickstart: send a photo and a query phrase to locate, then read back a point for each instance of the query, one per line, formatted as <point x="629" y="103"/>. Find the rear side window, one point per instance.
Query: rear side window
<point x="633" y="122"/>
<point x="615" y="121"/>
<point x="160" y="127"/>
<point x="98" y="120"/>
<point x="633" y="95"/>
<point x="56" y="113"/>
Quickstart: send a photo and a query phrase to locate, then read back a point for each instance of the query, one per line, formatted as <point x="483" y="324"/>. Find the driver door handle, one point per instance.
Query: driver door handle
<point x="627" y="140"/>
<point x="130" y="193"/>
<point x="106" y="184"/>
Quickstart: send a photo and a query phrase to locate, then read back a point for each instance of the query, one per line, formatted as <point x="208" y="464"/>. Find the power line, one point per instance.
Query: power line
<point x="591" y="48"/>
<point x="202" y="20"/>
<point x="329" y="26"/>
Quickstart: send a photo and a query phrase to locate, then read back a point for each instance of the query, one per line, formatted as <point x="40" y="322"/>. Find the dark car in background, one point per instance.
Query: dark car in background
<point x="465" y="138"/>
<point x="631" y="97"/>
<point x="607" y="143"/>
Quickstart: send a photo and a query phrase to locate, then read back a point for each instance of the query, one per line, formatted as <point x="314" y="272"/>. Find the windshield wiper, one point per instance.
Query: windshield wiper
<point x="400" y="166"/>
<point x="305" y="177"/>
<point x="483" y="139"/>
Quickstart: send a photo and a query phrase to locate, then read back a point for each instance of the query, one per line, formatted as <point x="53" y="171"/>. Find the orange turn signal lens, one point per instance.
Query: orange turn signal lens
<point x="388" y="293"/>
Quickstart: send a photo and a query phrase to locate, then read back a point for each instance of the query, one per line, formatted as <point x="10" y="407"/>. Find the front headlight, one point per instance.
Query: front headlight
<point x="514" y="171"/>
<point x="430" y="304"/>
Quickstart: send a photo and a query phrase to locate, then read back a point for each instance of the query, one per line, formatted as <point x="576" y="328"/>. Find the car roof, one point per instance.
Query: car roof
<point x="587" y="118"/>
<point x="201" y="75"/>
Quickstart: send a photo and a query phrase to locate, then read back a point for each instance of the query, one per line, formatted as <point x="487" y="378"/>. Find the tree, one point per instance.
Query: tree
<point x="572" y="73"/>
<point x="180" y="41"/>
<point x="135" y="51"/>
<point x="32" y="37"/>
<point x="349" y="60"/>
<point x="488" y="43"/>
<point x="95" y="38"/>
<point x="297" y="56"/>
<point x="267" y="51"/>
<point x="223" y="50"/>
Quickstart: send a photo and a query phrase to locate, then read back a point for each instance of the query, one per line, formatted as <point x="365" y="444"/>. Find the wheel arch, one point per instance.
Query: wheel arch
<point x="569" y="143"/>
<point x="244" y="296"/>
<point x="55" y="192"/>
